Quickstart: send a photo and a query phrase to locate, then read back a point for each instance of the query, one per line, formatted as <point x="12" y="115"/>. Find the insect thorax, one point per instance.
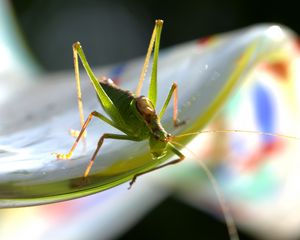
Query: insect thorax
<point x="148" y="113"/>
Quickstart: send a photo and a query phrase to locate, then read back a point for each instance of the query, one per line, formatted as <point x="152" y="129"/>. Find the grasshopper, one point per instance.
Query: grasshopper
<point x="132" y="114"/>
<point x="136" y="116"/>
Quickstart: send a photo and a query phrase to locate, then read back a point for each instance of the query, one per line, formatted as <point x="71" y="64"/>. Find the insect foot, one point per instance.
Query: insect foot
<point x="74" y="133"/>
<point x="179" y="123"/>
<point x="132" y="182"/>
<point x="62" y="156"/>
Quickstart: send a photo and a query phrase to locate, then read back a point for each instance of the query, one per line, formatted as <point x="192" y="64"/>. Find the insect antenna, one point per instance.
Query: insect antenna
<point x="237" y="131"/>
<point x="231" y="227"/>
<point x="232" y="230"/>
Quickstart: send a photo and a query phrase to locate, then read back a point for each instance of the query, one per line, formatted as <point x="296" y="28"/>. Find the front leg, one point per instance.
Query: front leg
<point x="82" y="132"/>
<point x="174" y="150"/>
<point x="100" y="142"/>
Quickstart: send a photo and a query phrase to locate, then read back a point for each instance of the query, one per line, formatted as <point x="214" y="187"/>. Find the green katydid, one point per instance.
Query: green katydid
<point x="135" y="116"/>
<point x="132" y="114"/>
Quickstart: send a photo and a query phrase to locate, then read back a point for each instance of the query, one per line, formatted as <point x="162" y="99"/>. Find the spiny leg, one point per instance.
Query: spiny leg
<point x="81" y="133"/>
<point x="147" y="59"/>
<point x="107" y="103"/>
<point x="152" y="92"/>
<point x="100" y="142"/>
<point x="75" y="133"/>
<point x="174" y="150"/>
<point x="173" y="90"/>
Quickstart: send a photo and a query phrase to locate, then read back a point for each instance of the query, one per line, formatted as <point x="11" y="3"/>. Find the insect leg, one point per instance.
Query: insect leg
<point x="108" y="105"/>
<point x="174" y="150"/>
<point x="152" y="93"/>
<point x="75" y="133"/>
<point x="81" y="133"/>
<point x="173" y="90"/>
<point x="100" y="142"/>
<point x="147" y="58"/>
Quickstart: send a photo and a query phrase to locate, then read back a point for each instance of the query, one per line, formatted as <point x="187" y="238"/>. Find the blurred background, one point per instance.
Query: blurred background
<point x="115" y="31"/>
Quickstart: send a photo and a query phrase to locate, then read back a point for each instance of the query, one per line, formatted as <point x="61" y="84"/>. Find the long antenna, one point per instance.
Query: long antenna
<point x="231" y="227"/>
<point x="237" y="131"/>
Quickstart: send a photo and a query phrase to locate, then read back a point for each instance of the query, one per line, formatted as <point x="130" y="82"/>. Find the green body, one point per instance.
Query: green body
<point x="132" y="114"/>
<point x="139" y="116"/>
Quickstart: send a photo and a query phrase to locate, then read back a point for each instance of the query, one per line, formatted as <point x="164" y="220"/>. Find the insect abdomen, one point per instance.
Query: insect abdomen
<point x="122" y="100"/>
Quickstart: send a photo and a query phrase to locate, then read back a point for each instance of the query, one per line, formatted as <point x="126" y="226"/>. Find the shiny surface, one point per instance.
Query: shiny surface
<point x="36" y="121"/>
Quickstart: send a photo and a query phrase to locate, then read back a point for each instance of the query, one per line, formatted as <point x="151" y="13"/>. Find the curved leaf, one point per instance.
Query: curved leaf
<point x="35" y="123"/>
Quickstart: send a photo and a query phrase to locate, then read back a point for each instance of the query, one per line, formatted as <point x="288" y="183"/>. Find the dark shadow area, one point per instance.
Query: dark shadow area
<point x="113" y="31"/>
<point x="174" y="220"/>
